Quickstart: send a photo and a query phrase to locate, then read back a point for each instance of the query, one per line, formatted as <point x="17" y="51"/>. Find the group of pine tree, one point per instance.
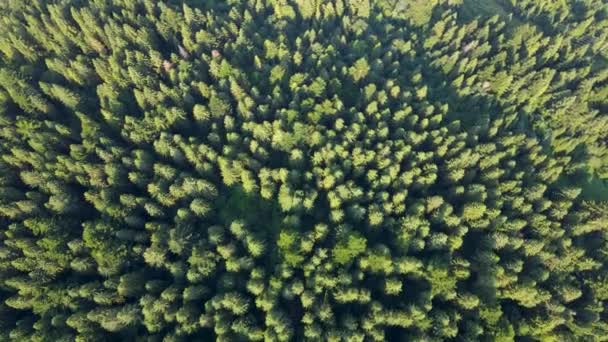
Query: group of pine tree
<point x="302" y="170"/>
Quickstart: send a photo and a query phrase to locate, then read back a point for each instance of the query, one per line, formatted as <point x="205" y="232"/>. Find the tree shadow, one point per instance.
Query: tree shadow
<point x="261" y="215"/>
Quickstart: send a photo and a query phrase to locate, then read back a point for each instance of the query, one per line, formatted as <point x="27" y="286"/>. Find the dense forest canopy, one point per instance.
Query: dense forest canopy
<point x="290" y="170"/>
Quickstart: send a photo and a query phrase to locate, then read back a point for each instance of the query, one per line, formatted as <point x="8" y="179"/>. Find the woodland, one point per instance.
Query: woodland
<point x="304" y="170"/>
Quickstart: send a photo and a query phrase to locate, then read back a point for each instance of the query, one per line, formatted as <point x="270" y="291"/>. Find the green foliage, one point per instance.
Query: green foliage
<point x="288" y="247"/>
<point x="303" y="170"/>
<point x="359" y="70"/>
<point x="346" y="251"/>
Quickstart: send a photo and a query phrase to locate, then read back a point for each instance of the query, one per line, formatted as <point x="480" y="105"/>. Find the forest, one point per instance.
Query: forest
<point x="304" y="170"/>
